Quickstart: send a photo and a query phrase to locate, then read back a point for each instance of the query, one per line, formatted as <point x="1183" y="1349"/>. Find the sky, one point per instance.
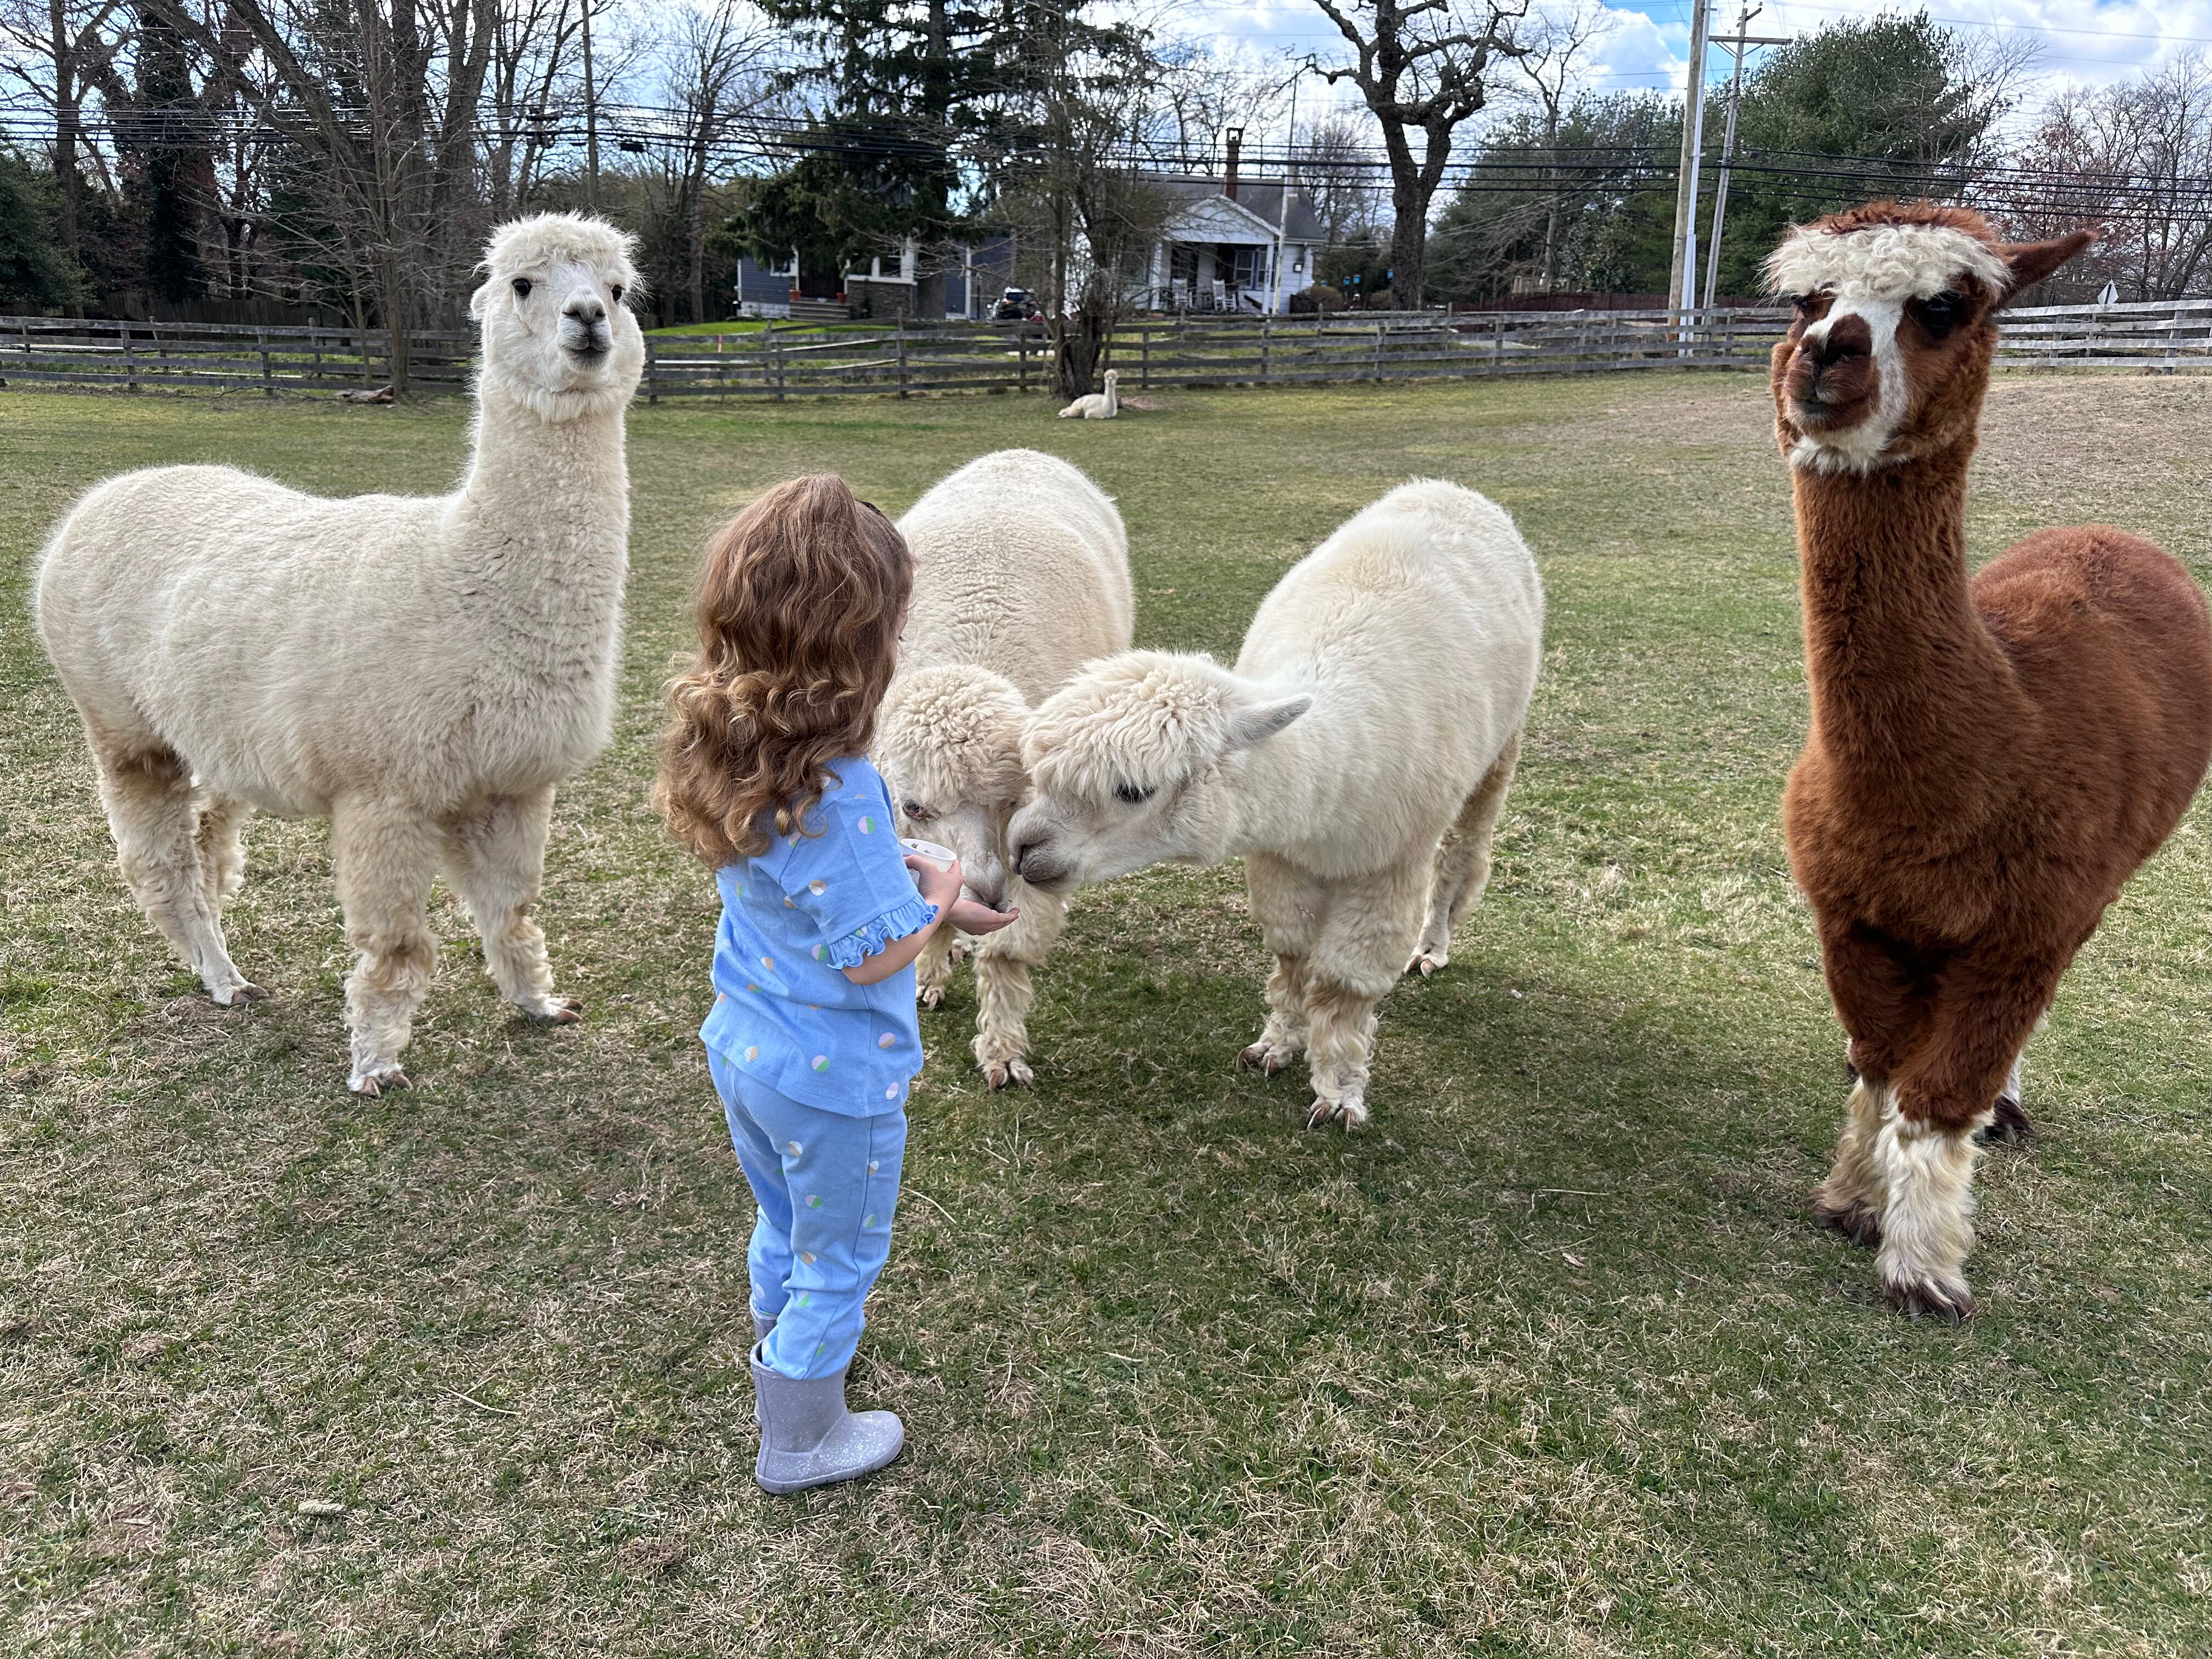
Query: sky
<point x="2081" y="41"/>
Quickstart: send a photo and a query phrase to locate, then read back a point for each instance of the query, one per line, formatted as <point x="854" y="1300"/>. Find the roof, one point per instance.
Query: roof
<point x="1255" y="215"/>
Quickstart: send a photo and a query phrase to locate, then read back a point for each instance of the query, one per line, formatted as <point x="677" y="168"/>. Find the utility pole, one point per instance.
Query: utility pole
<point x="591" y="120"/>
<point x="1681" y="280"/>
<point x="1738" y="45"/>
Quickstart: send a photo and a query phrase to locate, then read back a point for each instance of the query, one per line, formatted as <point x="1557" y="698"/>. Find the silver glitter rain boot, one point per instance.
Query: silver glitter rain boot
<point x="809" y="1439"/>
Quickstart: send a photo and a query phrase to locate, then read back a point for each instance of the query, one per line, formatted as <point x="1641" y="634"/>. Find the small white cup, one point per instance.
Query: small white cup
<point x="943" y="857"/>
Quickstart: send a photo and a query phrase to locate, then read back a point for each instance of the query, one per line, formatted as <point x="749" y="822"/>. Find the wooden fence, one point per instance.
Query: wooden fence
<point x="906" y="359"/>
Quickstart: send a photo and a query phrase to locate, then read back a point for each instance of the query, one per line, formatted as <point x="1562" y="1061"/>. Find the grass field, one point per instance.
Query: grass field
<point x="1550" y="1361"/>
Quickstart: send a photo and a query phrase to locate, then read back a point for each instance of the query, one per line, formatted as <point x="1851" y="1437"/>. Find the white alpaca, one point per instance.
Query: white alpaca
<point x="1099" y="405"/>
<point x="1021" y="575"/>
<point x="1356" y="758"/>
<point x="421" y="671"/>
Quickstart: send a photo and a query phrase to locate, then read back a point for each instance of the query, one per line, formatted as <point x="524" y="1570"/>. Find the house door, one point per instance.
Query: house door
<point x="819" y="284"/>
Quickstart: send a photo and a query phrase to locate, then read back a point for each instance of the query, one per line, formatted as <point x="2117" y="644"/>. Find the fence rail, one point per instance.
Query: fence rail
<point x="906" y="359"/>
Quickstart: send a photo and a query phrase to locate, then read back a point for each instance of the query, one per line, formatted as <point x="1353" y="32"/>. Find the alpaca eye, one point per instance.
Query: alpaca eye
<point x="919" y="814"/>
<point x="618" y="293"/>
<point x="1131" y="794"/>
<point x="1939" y="314"/>
<point x="522" y="288"/>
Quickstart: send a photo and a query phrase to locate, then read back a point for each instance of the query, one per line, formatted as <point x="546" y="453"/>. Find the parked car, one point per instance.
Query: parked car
<point x="1016" y="304"/>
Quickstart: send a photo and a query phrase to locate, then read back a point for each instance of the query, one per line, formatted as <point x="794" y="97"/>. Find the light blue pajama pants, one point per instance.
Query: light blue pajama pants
<point x="826" y="1185"/>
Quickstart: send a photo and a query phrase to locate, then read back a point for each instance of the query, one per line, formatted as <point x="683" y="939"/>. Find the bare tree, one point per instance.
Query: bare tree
<point x="1420" y="65"/>
<point x="396" y="170"/>
<point x="1552" y="38"/>
<point x="1194" y="94"/>
<point x="68" y="46"/>
<point x="530" y="101"/>
<point x="1334" y="170"/>
<point x="711" y="61"/>
<point x="2135" y="154"/>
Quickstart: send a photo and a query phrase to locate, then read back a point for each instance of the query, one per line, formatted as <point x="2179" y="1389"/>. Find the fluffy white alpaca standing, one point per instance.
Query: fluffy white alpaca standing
<point x="1357" y="759"/>
<point x="419" y="671"/>
<point x="1099" y="405"/>
<point x="1021" y="575"/>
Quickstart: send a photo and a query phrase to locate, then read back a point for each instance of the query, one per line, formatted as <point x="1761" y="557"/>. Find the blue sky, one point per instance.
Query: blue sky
<point x="2081" y="41"/>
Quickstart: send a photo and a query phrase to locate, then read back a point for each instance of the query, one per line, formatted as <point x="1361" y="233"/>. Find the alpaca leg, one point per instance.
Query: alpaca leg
<point x="1463" y="862"/>
<point x="1371" y="924"/>
<point x="2008" y="1125"/>
<point x="221" y="849"/>
<point x="933" y="968"/>
<point x="386" y="857"/>
<point x="1290" y="907"/>
<point x="148" y="796"/>
<point x="1003" y="963"/>
<point x="1851" y="1198"/>
<point x="1927" y="1146"/>
<point x="496" y="859"/>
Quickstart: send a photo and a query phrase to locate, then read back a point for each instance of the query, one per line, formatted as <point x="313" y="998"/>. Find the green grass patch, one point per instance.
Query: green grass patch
<point x="1550" y="1361"/>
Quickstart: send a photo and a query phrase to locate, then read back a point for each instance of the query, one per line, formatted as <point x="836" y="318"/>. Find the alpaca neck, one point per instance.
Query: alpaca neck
<point x="559" y="482"/>
<point x="1113" y="401"/>
<point x="1908" y="685"/>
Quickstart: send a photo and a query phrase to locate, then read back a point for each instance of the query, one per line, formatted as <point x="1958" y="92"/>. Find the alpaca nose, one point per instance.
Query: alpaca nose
<point x="586" y="309"/>
<point x="1847" y="338"/>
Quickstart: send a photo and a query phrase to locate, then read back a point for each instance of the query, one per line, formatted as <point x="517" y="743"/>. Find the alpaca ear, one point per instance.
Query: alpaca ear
<point x="2031" y="262"/>
<point x="477" y="302"/>
<point x="1255" y="725"/>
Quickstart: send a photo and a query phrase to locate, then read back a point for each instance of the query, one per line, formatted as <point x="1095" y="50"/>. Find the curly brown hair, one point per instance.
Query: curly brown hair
<point x="799" y="608"/>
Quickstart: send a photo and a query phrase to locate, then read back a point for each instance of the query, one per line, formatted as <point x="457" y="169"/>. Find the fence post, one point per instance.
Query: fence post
<point x="1145" y="358"/>
<point x="1498" y="345"/>
<point x="902" y="356"/>
<point x="268" y="381"/>
<point x="130" y="361"/>
<point x="1267" y="345"/>
<point x="778" y="344"/>
<point x="1022" y="338"/>
<point x="651" y="372"/>
<point x="1378" y="351"/>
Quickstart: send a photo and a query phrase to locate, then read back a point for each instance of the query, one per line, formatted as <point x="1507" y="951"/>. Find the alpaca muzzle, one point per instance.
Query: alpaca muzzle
<point x="1832" y="380"/>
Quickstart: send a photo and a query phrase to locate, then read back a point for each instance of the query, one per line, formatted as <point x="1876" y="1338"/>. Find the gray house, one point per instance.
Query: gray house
<point x="887" y="287"/>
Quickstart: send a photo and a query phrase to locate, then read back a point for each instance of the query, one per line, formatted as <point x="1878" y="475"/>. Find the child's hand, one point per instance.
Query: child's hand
<point x="970" y="917"/>
<point x="940" y="887"/>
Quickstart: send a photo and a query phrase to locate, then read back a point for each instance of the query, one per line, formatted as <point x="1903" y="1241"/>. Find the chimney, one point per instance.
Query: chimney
<point x="1236" y="137"/>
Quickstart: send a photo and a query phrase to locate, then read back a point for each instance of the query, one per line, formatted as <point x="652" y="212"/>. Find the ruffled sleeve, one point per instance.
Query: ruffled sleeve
<point x="871" y="938"/>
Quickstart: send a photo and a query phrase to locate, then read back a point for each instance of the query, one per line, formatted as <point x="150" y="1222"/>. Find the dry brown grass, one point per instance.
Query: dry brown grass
<point x="1550" y="1362"/>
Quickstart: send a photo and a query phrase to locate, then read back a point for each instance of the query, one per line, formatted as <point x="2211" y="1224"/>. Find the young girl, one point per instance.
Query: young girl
<point x="812" y="1039"/>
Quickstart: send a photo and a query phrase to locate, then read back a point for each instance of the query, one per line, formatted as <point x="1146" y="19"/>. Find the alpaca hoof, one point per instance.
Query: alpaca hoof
<point x="999" y="1073"/>
<point x="1352" y="1113"/>
<point x="243" y="991"/>
<point x="955" y="953"/>
<point x="554" y="1010"/>
<point x="1261" y="1057"/>
<point x="2007" y="1128"/>
<point x="370" y="1084"/>
<point x="1425" y="962"/>
<point x="931" y="995"/>
<point x="1931" y="1296"/>
<point x="1855" y="1221"/>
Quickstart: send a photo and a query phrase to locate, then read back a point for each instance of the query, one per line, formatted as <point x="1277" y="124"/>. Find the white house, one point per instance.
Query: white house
<point x="1231" y="244"/>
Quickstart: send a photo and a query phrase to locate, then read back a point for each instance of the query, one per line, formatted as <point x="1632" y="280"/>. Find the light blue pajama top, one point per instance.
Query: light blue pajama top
<point x="812" y="904"/>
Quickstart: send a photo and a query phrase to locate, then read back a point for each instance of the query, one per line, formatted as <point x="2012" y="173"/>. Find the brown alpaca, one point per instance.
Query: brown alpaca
<point x="1990" y="758"/>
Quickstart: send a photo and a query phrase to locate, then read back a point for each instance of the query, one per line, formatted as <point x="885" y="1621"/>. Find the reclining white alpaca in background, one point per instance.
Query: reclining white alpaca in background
<point x="421" y="671"/>
<point x="1356" y="758"/>
<point x="1021" y="575"/>
<point x="1099" y="405"/>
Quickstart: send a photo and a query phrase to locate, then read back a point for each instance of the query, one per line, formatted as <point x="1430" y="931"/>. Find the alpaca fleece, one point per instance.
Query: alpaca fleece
<point x="1021" y="575"/>
<point x="422" y="671"/>
<point x="1356" y="758"/>
<point x="1989" y="757"/>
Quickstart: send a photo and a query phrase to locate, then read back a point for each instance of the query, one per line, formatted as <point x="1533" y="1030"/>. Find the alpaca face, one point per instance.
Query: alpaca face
<point x="1135" y="761"/>
<point x="948" y="743"/>
<point x="1889" y="351"/>
<point x="556" y="332"/>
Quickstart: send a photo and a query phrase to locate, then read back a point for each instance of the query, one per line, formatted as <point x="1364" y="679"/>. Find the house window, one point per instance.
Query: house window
<point x="1182" y="262"/>
<point x="1247" y="267"/>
